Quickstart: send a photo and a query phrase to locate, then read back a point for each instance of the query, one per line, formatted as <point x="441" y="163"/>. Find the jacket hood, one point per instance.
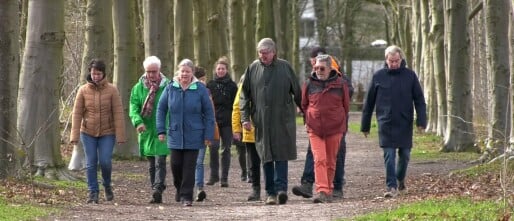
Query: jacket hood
<point x="403" y="65"/>
<point x="333" y="74"/>
<point x="100" y="83"/>
<point x="223" y="79"/>
<point x="176" y="81"/>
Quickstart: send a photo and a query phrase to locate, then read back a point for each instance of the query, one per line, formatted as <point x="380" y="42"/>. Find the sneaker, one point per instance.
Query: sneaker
<point x="212" y="181"/>
<point x="401" y="186"/>
<point x="200" y="196"/>
<point x="271" y="200"/>
<point x="187" y="203"/>
<point x="109" y="195"/>
<point x="391" y="192"/>
<point x="282" y="197"/>
<point x="337" y="194"/>
<point x="93" y="197"/>
<point x="322" y="198"/>
<point x="304" y="190"/>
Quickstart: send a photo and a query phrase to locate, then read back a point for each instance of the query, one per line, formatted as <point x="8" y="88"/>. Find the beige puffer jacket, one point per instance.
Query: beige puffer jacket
<point x="98" y="111"/>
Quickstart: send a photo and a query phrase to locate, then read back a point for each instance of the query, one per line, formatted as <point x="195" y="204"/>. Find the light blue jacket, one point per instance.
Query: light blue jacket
<point x="191" y="115"/>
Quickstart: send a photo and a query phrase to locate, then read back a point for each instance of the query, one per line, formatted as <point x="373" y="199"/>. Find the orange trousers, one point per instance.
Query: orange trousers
<point x="324" y="151"/>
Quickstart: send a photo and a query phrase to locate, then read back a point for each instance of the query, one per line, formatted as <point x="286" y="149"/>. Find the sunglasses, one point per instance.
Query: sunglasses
<point x="322" y="69"/>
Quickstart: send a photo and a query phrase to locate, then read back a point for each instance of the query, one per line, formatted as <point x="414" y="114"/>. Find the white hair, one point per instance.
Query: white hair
<point x="393" y="49"/>
<point x="152" y="60"/>
<point x="266" y="44"/>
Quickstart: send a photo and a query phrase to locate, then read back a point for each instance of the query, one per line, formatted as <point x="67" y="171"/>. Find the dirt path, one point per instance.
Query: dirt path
<point x="362" y="193"/>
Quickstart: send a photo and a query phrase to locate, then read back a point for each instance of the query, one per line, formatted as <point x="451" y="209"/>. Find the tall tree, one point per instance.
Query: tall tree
<point x="459" y="130"/>
<point x="320" y="11"/>
<point x="437" y="45"/>
<point x="497" y="25"/>
<point x="126" y="68"/>
<point x="264" y="24"/>
<point x="38" y="104"/>
<point x="201" y="38"/>
<point x="249" y="30"/>
<point x="184" y="44"/>
<point x="97" y="44"/>
<point x="295" y="43"/>
<point x="218" y="39"/>
<point x="236" y="36"/>
<point x="9" y="69"/>
<point x="157" y="33"/>
<point x="511" y="98"/>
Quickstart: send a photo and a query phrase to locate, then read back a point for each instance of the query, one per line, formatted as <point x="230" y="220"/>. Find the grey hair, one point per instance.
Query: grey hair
<point x="324" y="58"/>
<point x="393" y="49"/>
<point x="152" y="60"/>
<point x="266" y="44"/>
<point x="188" y="63"/>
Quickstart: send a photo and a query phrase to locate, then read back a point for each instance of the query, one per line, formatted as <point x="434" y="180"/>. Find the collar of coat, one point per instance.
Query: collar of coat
<point x="191" y="86"/>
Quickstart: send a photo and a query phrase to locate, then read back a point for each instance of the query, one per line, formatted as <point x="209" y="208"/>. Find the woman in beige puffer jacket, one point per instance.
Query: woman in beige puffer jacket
<point x="99" y="122"/>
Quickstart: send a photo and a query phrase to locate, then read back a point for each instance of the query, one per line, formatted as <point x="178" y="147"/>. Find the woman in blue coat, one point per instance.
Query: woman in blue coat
<point x="394" y="91"/>
<point x="186" y="104"/>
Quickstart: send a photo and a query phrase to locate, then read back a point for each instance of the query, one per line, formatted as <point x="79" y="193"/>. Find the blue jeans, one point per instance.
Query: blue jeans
<point x="394" y="174"/>
<point x="98" y="150"/>
<point x="308" y="170"/>
<point x="199" y="168"/>
<point x="275" y="177"/>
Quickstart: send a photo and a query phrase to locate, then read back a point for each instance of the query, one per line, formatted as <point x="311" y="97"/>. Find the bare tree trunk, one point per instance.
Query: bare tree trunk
<point x="425" y="45"/>
<point x="126" y="69"/>
<point x="264" y="24"/>
<point x="437" y="42"/>
<point x="295" y="47"/>
<point x="320" y="7"/>
<point x="237" y="49"/>
<point x="249" y="30"/>
<point x="460" y="133"/>
<point x="9" y="69"/>
<point x="201" y="38"/>
<point x="511" y="98"/>
<point x="497" y="23"/>
<point x="97" y="44"/>
<point x="417" y="44"/>
<point x="157" y="34"/>
<point x="184" y="45"/>
<point x="38" y="104"/>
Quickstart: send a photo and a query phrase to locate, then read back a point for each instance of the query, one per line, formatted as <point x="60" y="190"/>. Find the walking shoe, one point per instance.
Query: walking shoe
<point x="271" y="200"/>
<point x="304" y="190"/>
<point x="244" y="178"/>
<point x="322" y="197"/>
<point x="255" y="195"/>
<point x="391" y="192"/>
<point x="93" y="197"/>
<point x="282" y="197"/>
<point x="109" y="195"/>
<point x="224" y="184"/>
<point x="200" y="196"/>
<point x="401" y="186"/>
<point x="212" y="181"/>
<point x="337" y="194"/>
<point x="187" y="203"/>
<point x="156" y="196"/>
<point x="249" y="180"/>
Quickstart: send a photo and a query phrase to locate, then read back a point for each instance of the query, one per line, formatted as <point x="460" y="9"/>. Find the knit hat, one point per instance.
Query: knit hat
<point x="315" y="51"/>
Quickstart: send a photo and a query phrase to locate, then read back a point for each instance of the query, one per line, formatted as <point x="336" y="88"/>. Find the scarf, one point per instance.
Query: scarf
<point x="153" y="86"/>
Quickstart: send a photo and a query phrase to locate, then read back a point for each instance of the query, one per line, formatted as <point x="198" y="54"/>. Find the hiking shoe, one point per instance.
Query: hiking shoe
<point x="271" y="200"/>
<point x="156" y="196"/>
<point x="109" y="195"/>
<point x="255" y="195"/>
<point x="391" y="192"/>
<point x="282" y="197"/>
<point x="187" y="203"/>
<point x="93" y="197"/>
<point x="337" y="194"/>
<point x="304" y="190"/>
<point x="200" y="196"/>
<point x="322" y="197"/>
<point x="224" y="184"/>
<point x="212" y="181"/>
<point x="401" y="186"/>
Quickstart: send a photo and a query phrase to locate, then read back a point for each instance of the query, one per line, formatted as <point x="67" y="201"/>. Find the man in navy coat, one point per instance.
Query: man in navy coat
<point x="394" y="91"/>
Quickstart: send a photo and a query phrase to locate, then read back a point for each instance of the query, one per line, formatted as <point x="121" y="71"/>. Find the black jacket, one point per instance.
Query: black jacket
<point x="223" y="91"/>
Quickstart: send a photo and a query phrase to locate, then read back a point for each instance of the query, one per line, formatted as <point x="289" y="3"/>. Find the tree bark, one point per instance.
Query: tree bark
<point x="126" y="68"/>
<point x="437" y="45"/>
<point x="38" y="104"/>
<point x="201" y="37"/>
<point x="264" y="24"/>
<point x="249" y="30"/>
<point x="184" y="45"/>
<point x="157" y="33"/>
<point x="237" y="49"/>
<point x="460" y="133"/>
<point x="9" y="69"/>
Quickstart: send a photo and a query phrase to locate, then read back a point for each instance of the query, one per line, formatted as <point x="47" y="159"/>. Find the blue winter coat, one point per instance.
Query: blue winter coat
<point x="190" y="113"/>
<point x="395" y="94"/>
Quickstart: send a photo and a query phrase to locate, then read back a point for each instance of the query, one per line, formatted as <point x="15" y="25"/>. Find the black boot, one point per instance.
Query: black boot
<point x="304" y="190"/>
<point x="256" y="194"/>
<point x="156" y="196"/>
<point x="109" y="195"/>
<point x="93" y="197"/>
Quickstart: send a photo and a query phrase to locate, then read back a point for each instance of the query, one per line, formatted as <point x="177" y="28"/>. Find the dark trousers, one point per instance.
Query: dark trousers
<point x="241" y="157"/>
<point x="183" y="164"/>
<point x="275" y="177"/>
<point x="308" y="170"/>
<point x="157" y="171"/>
<point x="255" y="164"/>
<point x="226" y="142"/>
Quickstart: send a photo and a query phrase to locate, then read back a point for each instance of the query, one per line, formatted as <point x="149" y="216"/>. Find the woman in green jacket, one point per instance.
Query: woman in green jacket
<point x="143" y="105"/>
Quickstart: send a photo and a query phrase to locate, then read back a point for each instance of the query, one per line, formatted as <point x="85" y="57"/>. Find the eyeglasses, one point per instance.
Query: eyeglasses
<point x="319" y="68"/>
<point x="152" y="72"/>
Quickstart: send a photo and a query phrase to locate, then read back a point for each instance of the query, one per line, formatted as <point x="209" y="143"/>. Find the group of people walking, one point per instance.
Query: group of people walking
<point x="182" y="116"/>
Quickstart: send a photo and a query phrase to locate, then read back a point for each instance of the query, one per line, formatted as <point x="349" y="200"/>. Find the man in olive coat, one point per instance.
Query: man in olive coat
<point x="270" y="92"/>
<point x="394" y="91"/>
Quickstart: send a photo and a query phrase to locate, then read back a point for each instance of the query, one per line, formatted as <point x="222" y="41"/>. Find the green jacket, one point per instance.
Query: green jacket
<point x="149" y="144"/>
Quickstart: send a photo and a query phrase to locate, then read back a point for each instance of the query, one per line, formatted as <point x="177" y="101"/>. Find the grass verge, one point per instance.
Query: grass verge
<point x="12" y="211"/>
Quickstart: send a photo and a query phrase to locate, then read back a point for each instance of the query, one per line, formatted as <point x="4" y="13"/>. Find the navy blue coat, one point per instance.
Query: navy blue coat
<point x="395" y="94"/>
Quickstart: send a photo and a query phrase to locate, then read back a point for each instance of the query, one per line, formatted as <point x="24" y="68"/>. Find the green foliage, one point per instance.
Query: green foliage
<point x="448" y="209"/>
<point x="427" y="146"/>
<point x="356" y="129"/>
<point x="489" y="168"/>
<point x="61" y="184"/>
<point x="15" y="212"/>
